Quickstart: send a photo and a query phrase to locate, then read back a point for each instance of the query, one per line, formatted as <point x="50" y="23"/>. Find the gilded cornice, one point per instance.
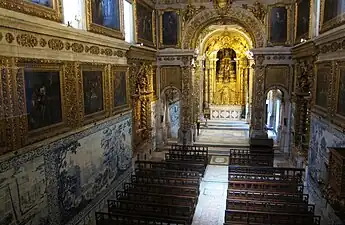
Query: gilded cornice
<point x="141" y="53"/>
<point x="305" y="49"/>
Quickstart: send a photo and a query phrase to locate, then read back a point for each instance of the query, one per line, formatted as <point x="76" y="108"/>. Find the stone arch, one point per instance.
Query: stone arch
<point x="280" y="87"/>
<point x="235" y="15"/>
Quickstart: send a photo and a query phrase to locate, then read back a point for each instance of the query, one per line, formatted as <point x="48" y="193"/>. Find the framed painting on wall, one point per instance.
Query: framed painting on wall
<point x="105" y="17"/>
<point x="169" y="28"/>
<point x="302" y="19"/>
<point x="145" y="24"/>
<point x="93" y="92"/>
<point x="46" y="9"/>
<point x="120" y="89"/>
<point x="323" y="77"/>
<point x="43" y="98"/>
<point x="279" y="18"/>
<point x="332" y="14"/>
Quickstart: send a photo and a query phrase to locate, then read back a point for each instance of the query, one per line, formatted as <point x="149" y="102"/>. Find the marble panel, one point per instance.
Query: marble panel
<point x="64" y="181"/>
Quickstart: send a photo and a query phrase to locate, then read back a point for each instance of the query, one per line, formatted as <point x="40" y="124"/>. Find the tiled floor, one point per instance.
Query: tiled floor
<point x="219" y="136"/>
<point x="212" y="200"/>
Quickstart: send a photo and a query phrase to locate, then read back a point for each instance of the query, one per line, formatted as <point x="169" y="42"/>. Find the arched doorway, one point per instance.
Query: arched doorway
<point x="274" y="113"/>
<point x="170" y="113"/>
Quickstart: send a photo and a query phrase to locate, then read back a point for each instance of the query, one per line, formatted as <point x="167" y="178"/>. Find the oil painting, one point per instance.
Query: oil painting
<point x="106" y="13"/>
<point x="47" y="3"/>
<point x="278" y="25"/>
<point x="332" y="9"/>
<point x="120" y="89"/>
<point x="341" y="93"/>
<point x="43" y="98"/>
<point x="170" y="28"/>
<point x="322" y="82"/>
<point x="93" y="92"/>
<point x="303" y="16"/>
<point x="144" y="23"/>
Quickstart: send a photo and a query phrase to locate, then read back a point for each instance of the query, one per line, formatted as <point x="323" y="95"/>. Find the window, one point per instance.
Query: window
<point x="128" y="19"/>
<point x="73" y="13"/>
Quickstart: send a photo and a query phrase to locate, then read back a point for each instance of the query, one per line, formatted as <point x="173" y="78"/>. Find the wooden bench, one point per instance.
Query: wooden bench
<point x="194" y="182"/>
<point x="182" y="166"/>
<point x="264" y="161"/>
<point x="297" y="172"/>
<point x="183" y="157"/>
<point x="167" y="173"/>
<point x="269" y="206"/>
<point x="250" y="217"/>
<point x="125" y="219"/>
<point x="163" y="189"/>
<point x="285" y="187"/>
<point x="190" y="201"/>
<point x="267" y="195"/>
<point x="178" y="212"/>
<point x="189" y="148"/>
<point x="263" y="177"/>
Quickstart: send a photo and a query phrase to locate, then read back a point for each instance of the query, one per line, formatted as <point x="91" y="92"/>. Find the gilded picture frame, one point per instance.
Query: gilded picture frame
<point x="99" y="114"/>
<point x="288" y="41"/>
<point x="96" y="28"/>
<point x="54" y="13"/>
<point x="34" y="135"/>
<point x="305" y="35"/>
<point x="161" y="28"/>
<point x="153" y="24"/>
<point x="116" y="71"/>
<point x="340" y="94"/>
<point x="334" y="22"/>
<point x="323" y="71"/>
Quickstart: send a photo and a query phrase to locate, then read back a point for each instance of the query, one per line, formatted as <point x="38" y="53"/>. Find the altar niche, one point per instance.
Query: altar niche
<point x="226" y="91"/>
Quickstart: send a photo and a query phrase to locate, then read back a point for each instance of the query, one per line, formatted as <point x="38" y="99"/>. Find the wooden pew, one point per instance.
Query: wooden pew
<point x="130" y="195"/>
<point x="125" y="219"/>
<point x="263" y="177"/>
<point x="248" y="160"/>
<point x="186" y="158"/>
<point x="270" y="206"/>
<point x="257" y="217"/>
<point x="174" y="212"/>
<point x="267" y="195"/>
<point x="189" y="148"/>
<point x="297" y="172"/>
<point x="194" y="182"/>
<point x="167" y="173"/>
<point x="184" y="166"/>
<point x="163" y="189"/>
<point x="285" y="187"/>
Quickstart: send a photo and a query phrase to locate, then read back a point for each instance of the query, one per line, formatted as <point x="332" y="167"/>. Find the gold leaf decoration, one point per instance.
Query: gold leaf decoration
<point x="27" y="40"/>
<point x="55" y="44"/>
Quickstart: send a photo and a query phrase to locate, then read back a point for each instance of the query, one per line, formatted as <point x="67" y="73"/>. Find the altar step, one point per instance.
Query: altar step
<point x="225" y="125"/>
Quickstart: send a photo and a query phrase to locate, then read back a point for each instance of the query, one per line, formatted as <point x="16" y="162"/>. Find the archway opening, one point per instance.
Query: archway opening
<point x="171" y="108"/>
<point x="226" y="75"/>
<point x="274" y="113"/>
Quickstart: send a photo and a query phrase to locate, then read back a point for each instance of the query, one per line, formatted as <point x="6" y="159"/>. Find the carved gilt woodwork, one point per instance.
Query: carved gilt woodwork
<point x="259" y="96"/>
<point x="337" y="171"/>
<point x="258" y="10"/>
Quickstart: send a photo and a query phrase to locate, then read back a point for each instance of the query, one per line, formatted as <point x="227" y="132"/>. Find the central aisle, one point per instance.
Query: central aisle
<point x="212" y="199"/>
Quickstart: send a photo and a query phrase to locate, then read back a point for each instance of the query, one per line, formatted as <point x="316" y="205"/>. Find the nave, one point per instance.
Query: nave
<point x="244" y="188"/>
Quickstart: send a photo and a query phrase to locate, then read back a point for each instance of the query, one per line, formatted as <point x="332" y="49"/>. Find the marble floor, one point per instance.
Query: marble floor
<point x="212" y="199"/>
<point x="220" y="136"/>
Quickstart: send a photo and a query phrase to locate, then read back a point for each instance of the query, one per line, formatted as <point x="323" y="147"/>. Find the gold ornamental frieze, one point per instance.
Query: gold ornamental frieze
<point x="37" y="41"/>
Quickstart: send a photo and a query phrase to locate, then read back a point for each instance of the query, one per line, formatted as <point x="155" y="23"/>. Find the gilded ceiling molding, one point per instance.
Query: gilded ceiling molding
<point x="235" y="15"/>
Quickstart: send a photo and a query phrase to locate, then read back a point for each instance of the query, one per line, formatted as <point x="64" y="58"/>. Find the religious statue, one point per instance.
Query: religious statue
<point x="225" y="96"/>
<point x="227" y="72"/>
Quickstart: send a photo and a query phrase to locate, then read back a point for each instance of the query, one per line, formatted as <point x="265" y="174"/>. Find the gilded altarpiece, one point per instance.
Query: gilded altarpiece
<point x="305" y="56"/>
<point x="141" y="97"/>
<point x="226" y="75"/>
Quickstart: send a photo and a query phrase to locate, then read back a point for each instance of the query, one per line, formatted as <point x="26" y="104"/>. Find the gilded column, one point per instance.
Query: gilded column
<point x="186" y="131"/>
<point x="258" y="100"/>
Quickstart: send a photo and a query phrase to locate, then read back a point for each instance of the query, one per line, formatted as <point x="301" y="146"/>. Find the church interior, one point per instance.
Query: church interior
<point x="172" y="112"/>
